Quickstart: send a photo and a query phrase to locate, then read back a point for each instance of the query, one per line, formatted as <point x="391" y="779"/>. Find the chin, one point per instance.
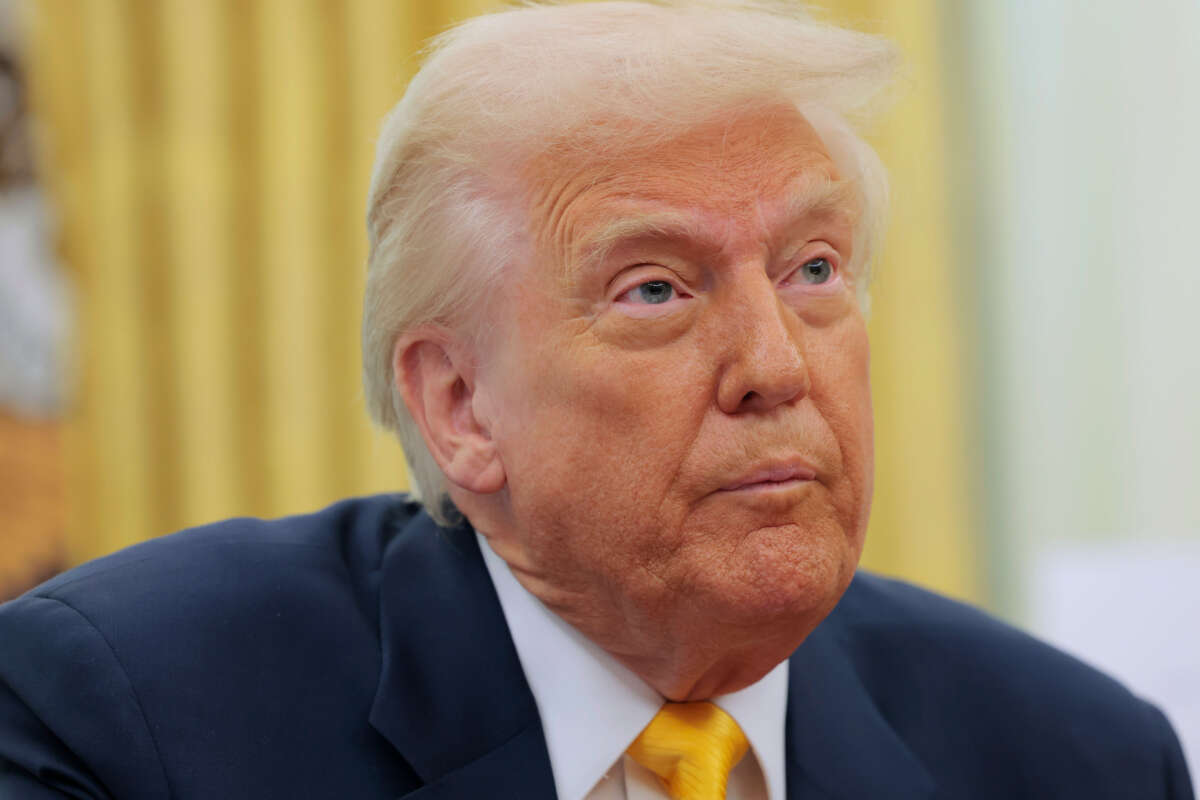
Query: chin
<point x="785" y="576"/>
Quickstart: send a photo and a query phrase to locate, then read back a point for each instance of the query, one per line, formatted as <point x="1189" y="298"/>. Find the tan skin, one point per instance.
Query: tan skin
<point x="669" y="440"/>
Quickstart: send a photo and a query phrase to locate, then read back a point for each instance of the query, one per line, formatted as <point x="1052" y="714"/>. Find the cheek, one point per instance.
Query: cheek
<point x="592" y="460"/>
<point x="841" y="388"/>
<point x="600" y="425"/>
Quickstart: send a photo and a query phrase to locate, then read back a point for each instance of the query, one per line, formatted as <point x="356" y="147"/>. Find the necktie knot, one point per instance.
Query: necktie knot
<point x="691" y="747"/>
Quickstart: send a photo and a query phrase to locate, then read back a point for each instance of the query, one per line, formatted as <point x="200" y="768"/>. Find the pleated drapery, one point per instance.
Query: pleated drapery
<point x="209" y="161"/>
<point x="923" y="522"/>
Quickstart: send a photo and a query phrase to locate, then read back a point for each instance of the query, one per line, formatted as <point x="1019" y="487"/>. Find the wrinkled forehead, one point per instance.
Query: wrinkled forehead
<point x="763" y="167"/>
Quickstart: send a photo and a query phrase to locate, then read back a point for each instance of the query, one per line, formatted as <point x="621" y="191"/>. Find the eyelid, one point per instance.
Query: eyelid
<point x="635" y="276"/>
<point x="810" y="254"/>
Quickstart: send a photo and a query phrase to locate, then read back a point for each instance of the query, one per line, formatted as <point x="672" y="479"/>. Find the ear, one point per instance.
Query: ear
<point x="435" y="375"/>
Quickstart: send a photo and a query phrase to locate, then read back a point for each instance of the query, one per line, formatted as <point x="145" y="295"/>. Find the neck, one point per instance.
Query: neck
<point x="681" y="678"/>
<point x="677" y="649"/>
<point x="681" y="659"/>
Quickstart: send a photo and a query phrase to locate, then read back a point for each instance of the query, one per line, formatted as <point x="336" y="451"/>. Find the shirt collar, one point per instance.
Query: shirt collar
<point x="592" y="706"/>
<point x="761" y="711"/>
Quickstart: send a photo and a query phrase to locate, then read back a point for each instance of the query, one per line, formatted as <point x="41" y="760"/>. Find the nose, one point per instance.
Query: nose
<point x="764" y="364"/>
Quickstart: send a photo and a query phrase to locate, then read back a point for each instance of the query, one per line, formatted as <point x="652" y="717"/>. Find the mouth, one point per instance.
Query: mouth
<point x="773" y="477"/>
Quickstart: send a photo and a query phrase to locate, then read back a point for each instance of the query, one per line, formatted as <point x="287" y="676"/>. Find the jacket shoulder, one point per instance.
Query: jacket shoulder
<point x="350" y="536"/>
<point x="967" y="652"/>
<point x="257" y="586"/>
<point x="955" y="639"/>
<point x="983" y="698"/>
<point x="239" y="642"/>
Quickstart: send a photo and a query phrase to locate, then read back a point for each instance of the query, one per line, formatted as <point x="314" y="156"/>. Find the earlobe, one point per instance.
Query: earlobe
<point x="435" y="376"/>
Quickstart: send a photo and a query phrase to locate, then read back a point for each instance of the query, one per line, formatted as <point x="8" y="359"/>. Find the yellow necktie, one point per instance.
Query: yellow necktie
<point x="691" y="747"/>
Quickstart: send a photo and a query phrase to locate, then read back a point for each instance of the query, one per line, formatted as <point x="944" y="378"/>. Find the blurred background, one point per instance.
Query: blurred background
<point x="182" y="186"/>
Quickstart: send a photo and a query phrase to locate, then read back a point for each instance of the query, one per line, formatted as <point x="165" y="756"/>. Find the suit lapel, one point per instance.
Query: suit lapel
<point x="452" y="697"/>
<point x="838" y="743"/>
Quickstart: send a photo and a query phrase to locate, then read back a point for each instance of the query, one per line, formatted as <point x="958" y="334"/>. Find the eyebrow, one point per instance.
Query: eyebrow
<point x="809" y="196"/>
<point x="634" y="228"/>
<point x="820" y="196"/>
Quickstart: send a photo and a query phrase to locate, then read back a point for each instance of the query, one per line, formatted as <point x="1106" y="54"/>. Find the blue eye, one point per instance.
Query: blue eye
<point x="655" y="292"/>
<point x="819" y="270"/>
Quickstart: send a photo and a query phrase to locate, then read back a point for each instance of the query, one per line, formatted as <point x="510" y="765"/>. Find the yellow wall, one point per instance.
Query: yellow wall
<point x="209" y="161"/>
<point x="923" y="524"/>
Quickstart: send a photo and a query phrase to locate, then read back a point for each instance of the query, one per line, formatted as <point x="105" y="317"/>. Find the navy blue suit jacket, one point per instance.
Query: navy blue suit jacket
<point x="361" y="652"/>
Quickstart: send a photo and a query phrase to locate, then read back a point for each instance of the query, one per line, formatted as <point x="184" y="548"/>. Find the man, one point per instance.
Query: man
<point x="618" y="260"/>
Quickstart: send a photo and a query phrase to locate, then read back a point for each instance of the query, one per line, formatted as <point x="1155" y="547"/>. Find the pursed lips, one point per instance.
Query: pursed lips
<point x="772" y="476"/>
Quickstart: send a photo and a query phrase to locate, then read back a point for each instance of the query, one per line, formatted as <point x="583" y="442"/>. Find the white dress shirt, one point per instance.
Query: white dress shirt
<point x="592" y="707"/>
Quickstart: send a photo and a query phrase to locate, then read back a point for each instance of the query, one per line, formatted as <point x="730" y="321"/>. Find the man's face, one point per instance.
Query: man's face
<point x="679" y="395"/>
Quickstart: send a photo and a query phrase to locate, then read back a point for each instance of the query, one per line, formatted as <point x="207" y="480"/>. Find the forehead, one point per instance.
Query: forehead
<point x="755" y="169"/>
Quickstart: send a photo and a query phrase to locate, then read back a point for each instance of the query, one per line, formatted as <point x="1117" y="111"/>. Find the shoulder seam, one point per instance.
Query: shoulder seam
<point x="132" y="688"/>
<point x="37" y="592"/>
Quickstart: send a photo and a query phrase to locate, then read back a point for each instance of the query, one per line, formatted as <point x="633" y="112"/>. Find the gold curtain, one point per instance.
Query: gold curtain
<point x="209" y="162"/>
<point x="31" y="502"/>
<point x="923" y="523"/>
